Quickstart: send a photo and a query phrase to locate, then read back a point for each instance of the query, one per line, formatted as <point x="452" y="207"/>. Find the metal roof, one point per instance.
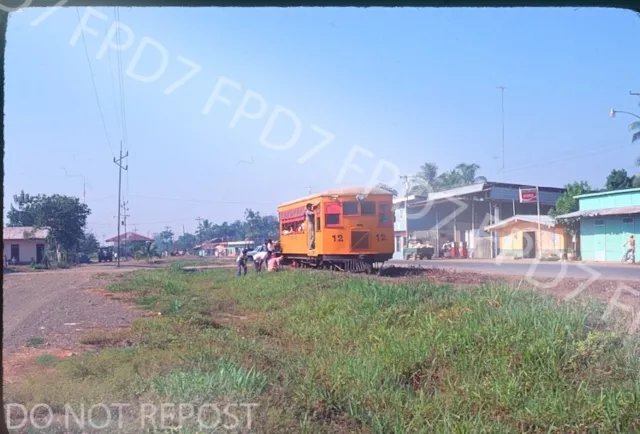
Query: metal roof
<point x="623" y="210"/>
<point x="345" y="191"/>
<point x="529" y="218"/>
<point x="24" y="233"/>
<point x="454" y="192"/>
<point x="607" y="193"/>
<point x="128" y="236"/>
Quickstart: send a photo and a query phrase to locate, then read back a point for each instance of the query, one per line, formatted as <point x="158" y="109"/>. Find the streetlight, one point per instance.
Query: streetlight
<point x="613" y="113"/>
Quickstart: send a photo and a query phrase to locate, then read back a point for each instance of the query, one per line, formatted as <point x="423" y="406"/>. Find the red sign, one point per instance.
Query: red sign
<point x="528" y="195"/>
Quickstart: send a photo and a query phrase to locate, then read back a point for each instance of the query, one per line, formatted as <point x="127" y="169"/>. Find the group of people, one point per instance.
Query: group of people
<point x="269" y="256"/>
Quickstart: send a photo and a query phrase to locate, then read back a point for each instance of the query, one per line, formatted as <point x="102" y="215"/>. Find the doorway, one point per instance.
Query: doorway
<point x="529" y="245"/>
<point x="39" y="253"/>
<point x="15" y="252"/>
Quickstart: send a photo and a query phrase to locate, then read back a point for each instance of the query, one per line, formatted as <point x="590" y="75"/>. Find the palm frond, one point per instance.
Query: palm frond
<point x="635" y="137"/>
<point x="634" y="126"/>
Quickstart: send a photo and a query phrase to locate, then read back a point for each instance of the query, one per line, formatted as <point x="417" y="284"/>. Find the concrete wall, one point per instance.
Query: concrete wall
<point x="511" y="240"/>
<point x="602" y="239"/>
<point x="27" y="249"/>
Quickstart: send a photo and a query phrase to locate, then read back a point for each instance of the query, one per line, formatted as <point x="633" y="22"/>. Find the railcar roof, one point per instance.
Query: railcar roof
<point x="345" y="191"/>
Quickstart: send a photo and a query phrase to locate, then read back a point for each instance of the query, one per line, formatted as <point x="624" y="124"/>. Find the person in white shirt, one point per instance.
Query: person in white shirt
<point x="259" y="258"/>
<point x="241" y="263"/>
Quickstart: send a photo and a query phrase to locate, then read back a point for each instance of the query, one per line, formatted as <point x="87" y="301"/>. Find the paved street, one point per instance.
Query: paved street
<point x="522" y="267"/>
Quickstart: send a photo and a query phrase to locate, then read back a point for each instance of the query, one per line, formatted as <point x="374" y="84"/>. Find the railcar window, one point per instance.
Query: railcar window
<point x="318" y="226"/>
<point x="368" y="208"/>
<point x="384" y="218"/>
<point x="332" y="219"/>
<point x="350" y="208"/>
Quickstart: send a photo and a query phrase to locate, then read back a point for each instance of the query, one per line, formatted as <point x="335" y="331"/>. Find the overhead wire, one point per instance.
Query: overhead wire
<point x="93" y="81"/>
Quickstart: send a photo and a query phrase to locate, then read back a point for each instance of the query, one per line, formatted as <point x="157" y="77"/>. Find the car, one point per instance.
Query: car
<point x="259" y="249"/>
<point x="105" y="254"/>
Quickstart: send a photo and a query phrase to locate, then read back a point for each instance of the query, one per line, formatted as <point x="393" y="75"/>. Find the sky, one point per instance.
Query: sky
<point x="399" y="86"/>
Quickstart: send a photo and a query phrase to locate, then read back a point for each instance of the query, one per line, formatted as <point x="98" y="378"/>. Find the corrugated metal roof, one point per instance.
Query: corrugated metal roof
<point x="529" y="218"/>
<point x="129" y="236"/>
<point x="345" y="191"/>
<point x="454" y="192"/>
<point x="24" y="233"/>
<point x="623" y="210"/>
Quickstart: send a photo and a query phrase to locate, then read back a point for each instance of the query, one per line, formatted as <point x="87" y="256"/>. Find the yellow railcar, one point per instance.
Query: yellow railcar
<point x="353" y="229"/>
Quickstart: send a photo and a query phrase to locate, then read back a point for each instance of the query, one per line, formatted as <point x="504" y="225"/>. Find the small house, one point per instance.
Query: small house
<point x="607" y="219"/>
<point x="518" y="236"/>
<point x="25" y="244"/>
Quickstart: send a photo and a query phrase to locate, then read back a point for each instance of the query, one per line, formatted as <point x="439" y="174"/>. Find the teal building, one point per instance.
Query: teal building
<point x="606" y="221"/>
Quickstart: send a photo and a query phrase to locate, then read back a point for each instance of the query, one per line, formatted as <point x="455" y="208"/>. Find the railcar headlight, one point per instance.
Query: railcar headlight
<point x="360" y="197"/>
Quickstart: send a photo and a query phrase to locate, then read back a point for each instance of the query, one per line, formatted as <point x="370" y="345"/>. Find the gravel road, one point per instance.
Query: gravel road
<point x="57" y="307"/>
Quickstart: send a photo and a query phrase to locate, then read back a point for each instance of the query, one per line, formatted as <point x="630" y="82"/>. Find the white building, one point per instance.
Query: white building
<point x="24" y="244"/>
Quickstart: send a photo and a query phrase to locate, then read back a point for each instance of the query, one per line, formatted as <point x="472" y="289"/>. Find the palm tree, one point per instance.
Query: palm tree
<point x="425" y="180"/>
<point x="468" y="172"/>
<point x="204" y="230"/>
<point x="451" y="179"/>
<point x="635" y="128"/>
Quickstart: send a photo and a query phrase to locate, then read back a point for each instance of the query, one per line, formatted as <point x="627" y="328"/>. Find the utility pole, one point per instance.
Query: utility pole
<point x="502" y="88"/>
<point x="118" y="162"/>
<point x="199" y="232"/>
<point x="125" y="209"/>
<point x="309" y="188"/>
<point x="406" y="211"/>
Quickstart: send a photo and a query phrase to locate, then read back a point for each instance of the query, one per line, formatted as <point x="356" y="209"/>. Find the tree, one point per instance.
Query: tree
<point x="186" y="241"/>
<point x="618" y="180"/>
<point x="164" y="240"/>
<point x="468" y="172"/>
<point x="64" y="216"/>
<point x="89" y="244"/>
<point x="22" y="214"/>
<point x="428" y="180"/>
<point x="147" y="251"/>
<point x="567" y="203"/>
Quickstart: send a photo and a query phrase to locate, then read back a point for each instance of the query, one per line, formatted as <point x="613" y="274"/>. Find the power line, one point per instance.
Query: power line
<point x="93" y="80"/>
<point x="502" y="88"/>
<point x="203" y="201"/>
<point x="120" y="169"/>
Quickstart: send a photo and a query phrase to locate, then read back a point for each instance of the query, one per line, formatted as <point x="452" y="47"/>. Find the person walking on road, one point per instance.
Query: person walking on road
<point x="630" y="246"/>
<point x="241" y="263"/>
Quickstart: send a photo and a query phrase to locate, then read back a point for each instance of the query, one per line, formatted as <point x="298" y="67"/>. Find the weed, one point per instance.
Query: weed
<point x="33" y="341"/>
<point x="330" y="352"/>
<point x="46" y="360"/>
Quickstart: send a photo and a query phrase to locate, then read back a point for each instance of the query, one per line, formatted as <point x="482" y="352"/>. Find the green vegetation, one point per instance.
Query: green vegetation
<point x="32" y="342"/>
<point x="323" y="352"/>
<point x="46" y="360"/>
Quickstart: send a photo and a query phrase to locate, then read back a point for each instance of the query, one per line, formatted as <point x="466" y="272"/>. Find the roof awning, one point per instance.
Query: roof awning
<point x="623" y="210"/>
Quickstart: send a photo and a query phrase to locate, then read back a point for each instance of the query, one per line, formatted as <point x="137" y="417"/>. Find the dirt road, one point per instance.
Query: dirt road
<point x="58" y="307"/>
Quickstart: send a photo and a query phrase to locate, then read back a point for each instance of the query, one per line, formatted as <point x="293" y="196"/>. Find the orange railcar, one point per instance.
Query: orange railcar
<point x="353" y="229"/>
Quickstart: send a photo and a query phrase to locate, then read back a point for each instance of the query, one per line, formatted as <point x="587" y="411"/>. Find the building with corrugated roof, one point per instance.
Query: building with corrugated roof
<point x="462" y="215"/>
<point x="607" y="219"/>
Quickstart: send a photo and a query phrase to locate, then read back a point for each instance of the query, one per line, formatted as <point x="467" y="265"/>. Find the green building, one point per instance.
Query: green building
<point x="606" y="221"/>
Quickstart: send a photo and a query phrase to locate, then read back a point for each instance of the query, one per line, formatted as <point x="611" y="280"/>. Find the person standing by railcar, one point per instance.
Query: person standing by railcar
<point x="311" y="229"/>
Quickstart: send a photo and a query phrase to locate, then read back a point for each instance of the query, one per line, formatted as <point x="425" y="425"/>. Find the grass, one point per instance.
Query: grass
<point x="323" y="353"/>
<point x="34" y="341"/>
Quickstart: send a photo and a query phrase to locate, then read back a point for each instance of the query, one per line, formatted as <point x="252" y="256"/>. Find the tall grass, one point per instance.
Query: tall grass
<point x="326" y="352"/>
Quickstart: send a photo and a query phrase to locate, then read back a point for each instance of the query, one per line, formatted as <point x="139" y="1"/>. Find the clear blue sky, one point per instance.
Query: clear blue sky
<point x="409" y="85"/>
